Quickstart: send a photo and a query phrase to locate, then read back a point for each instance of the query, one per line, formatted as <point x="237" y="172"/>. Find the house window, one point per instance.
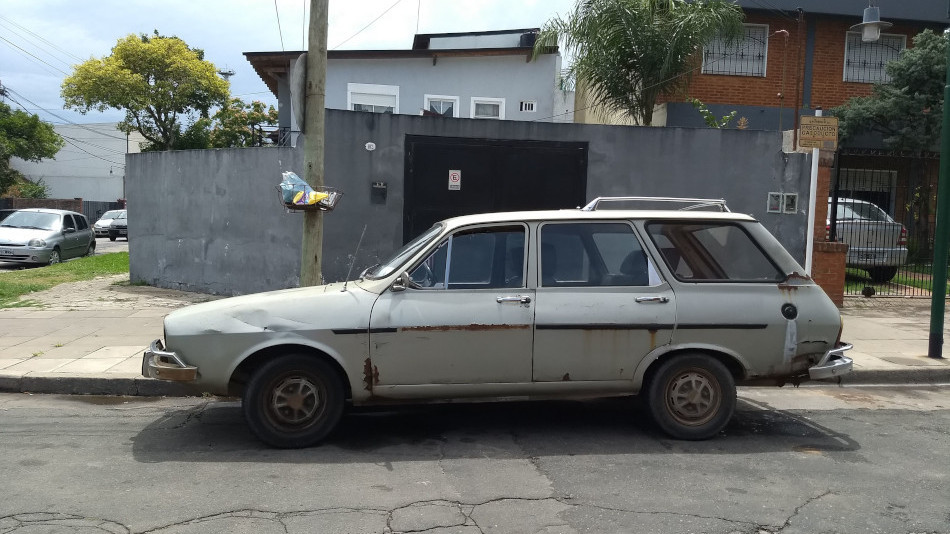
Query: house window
<point x="528" y="106"/>
<point x="372" y="98"/>
<point x="864" y="62"/>
<point x="744" y="57"/>
<point x="488" y="108"/>
<point x="446" y="106"/>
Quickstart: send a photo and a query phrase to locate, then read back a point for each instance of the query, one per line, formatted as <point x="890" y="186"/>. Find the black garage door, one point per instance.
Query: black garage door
<point x="448" y="176"/>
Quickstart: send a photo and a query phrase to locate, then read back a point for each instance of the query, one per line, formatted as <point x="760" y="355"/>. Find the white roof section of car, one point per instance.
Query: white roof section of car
<point x="601" y="215"/>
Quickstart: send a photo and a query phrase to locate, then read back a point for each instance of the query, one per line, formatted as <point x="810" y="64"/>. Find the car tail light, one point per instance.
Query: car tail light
<point x="902" y="241"/>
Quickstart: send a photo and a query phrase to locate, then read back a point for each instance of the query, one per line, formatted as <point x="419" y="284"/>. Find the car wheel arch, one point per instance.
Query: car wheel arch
<point x="648" y="367"/>
<point x="245" y="368"/>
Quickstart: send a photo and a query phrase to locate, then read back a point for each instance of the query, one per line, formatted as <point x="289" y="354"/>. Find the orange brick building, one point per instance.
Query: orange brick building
<point x="799" y="59"/>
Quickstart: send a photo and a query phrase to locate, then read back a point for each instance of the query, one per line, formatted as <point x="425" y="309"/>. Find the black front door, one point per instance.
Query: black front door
<point x="449" y="176"/>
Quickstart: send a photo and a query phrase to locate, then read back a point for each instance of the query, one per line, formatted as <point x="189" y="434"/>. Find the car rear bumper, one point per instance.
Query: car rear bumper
<point x="834" y="363"/>
<point x="166" y="365"/>
<point x="876" y="257"/>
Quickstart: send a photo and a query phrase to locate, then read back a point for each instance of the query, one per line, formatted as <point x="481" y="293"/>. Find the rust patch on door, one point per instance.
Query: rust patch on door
<point x="465" y="328"/>
<point x="566" y="377"/>
<point x="370" y="375"/>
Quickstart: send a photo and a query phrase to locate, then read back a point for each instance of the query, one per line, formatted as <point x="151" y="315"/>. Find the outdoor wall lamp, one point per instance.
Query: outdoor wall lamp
<point x="871" y="26"/>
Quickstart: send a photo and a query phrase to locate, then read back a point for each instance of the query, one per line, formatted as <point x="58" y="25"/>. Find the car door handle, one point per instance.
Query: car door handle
<point x="659" y="299"/>
<point x="517" y="298"/>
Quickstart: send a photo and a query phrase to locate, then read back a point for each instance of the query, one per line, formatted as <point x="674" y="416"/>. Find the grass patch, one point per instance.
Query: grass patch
<point x="14" y="284"/>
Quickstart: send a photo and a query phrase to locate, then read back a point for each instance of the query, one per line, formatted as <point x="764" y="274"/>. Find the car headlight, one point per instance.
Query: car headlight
<point x="39" y="243"/>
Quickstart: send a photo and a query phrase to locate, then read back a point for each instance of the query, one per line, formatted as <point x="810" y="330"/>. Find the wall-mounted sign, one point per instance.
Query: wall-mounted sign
<point x="818" y="132"/>
<point x="455" y="180"/>
<point x="371" y="146"/>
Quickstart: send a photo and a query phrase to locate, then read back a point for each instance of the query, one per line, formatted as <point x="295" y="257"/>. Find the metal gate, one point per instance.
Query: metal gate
<point x="884" y="204"/>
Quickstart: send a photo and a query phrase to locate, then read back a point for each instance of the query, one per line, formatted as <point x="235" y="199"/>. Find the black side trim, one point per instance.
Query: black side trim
<point x="711" y="326"/>
<point x="346" y="331"/>
<point x="604" y="327"/>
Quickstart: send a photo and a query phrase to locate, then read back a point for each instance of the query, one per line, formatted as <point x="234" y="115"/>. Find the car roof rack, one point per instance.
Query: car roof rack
<point x="691" y="203"/>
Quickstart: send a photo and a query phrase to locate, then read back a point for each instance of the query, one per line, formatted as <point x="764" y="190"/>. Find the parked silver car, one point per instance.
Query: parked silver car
<point x="877" y="243"/>
<point x="676" y="306"/>
<point x="45" y="236"/>
<point x="105" y="221"/>
<point x="119" y="226"/>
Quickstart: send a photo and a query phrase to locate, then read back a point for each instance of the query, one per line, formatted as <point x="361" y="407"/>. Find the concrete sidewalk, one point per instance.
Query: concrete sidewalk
<point x="69" y="351"/>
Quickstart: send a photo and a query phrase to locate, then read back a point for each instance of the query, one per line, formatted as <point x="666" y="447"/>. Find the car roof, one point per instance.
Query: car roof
<point x="49" y="210"/>
<point x="580" y="215"/>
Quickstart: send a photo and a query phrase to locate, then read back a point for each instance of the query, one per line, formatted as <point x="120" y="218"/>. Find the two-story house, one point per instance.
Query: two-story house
<point x="479" y="75"/>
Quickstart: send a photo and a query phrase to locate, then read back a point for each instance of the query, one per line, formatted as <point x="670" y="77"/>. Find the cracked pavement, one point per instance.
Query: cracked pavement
<point x="793" y="461"/>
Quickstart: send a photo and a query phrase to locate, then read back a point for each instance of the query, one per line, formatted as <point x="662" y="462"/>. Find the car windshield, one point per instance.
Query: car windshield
<point x="863" y="211"/>
<point x="33" y="219"/>
<point x="119" y="215"/>
<point x="387" y="267"/>
<point x="111" y="214"/>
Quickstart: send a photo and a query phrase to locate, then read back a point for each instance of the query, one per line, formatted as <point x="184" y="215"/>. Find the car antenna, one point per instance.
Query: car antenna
<point x="352" y="263"/>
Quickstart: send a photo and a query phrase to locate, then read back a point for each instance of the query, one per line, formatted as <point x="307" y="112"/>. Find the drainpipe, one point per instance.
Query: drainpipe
<point x="812" y="190"/>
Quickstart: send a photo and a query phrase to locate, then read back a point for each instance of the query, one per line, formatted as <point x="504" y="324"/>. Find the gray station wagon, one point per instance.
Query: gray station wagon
<point x="676" y="306"/>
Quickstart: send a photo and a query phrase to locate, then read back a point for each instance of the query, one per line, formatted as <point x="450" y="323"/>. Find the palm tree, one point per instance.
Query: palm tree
<point x="627" y="53"/>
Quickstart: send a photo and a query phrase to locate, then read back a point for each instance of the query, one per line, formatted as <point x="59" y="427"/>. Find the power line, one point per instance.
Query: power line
<point x="765" y="4"/>
<point x="35" y="44"/>
<point x="368" y="25"/>
<point x="33" y="56"/>
<point x="77" y="58"/>
<point x="279" y="31"/>
<point x="7" y="87"/>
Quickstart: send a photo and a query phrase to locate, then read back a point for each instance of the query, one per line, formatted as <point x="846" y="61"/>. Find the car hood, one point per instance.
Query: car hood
<point x="103" y="222"/>
<point x="299" y="309"/>
<point x="22" y="236"/>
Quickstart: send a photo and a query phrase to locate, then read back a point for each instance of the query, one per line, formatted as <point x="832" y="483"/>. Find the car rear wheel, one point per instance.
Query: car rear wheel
<point x="54" y="256"/>
<point x="293" y="401"/>
<point x="880" y="275"/>
<point x="691" y="396"/>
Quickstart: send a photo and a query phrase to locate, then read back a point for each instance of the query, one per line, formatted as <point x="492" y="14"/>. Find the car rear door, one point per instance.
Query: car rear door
<point x="601" y="306"/>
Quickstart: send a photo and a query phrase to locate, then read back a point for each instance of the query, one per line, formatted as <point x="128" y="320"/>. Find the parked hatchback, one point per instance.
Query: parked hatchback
<point x="45" y="236"/>
<point x="877" y="243"/>
<point x="105" y="221"/>
<point x="119" y="226"/>
<point x="676" y="306"/>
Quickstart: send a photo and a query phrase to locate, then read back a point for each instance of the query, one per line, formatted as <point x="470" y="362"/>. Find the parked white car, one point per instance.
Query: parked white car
<point x="877" y="243"/>
<point x="676" y="306"/>
<point x="105" y="222"/>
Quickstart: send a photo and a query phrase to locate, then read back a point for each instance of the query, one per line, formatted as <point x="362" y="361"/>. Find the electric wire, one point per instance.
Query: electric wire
<point x="368" y="25"/>
<point x="34" y="43"/>
<point x="279" y="31"/>
<point x="24" y="28"/>
<point x="765" y="4"/>
<point x="67" y="121"/>
<point x="33" y="56"/>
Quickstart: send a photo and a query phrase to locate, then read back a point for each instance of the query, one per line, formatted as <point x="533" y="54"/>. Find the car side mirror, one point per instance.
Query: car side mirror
<point x="401" y="283"/>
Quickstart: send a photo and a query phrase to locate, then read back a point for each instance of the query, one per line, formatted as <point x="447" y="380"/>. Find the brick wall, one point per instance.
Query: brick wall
<point x="828" y="269"/>
<point x="74" y="204"/>
<point x="785" y="62"/>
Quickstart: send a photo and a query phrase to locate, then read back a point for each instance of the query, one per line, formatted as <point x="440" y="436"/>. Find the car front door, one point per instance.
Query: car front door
<point x="71" y="237"/>
<point x="465" y="318"/>
<point x="601" y="306"/>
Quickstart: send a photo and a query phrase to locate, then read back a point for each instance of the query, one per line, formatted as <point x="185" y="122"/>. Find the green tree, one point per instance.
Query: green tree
<point x="237" y="123"/>
<point x="158" y="81"/>
<point x="25" y="136"/>
<point x="907" y="110"/>
<point x="627" y="53"/>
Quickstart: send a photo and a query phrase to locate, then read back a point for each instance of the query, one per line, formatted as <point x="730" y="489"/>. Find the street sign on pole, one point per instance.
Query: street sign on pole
<point x="818" y="132"/>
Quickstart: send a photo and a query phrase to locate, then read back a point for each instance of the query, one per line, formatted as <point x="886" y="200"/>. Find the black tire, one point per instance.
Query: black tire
<point x="880" y="275"/>
<point x="91" y="251"/>
<point x="55" y="257"/>
<point x="112" y="236"/>
<point x="293" y="401"/>
<point x="691" y="396"/>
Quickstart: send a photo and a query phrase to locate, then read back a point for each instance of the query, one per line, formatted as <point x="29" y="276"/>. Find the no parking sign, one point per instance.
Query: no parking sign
<point x="455" y="180"/>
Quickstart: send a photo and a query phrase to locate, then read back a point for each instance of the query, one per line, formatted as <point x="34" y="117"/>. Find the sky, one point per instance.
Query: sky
<point x="41" y="40"/>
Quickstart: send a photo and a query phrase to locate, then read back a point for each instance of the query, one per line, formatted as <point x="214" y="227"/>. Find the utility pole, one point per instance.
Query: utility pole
<point x="939" y="290"/>
<point x="313" y="127"/>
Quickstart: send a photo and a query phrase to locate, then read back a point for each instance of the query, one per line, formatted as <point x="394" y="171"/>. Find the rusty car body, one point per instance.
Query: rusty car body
<point x="676" y="306"/>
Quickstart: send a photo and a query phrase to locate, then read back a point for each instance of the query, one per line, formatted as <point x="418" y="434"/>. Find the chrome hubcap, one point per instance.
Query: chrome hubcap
<point x="295" y="401"/>
<point x="693" y="397"/>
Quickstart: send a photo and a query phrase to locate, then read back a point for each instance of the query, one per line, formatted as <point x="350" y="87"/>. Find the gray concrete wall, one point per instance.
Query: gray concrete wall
<point x="210" y="220"/>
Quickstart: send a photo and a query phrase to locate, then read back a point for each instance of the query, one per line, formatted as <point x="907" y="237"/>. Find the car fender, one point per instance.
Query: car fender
<point x="659" y="352"/>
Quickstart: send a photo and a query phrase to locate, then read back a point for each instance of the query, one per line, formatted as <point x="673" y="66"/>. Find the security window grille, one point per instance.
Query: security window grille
<point x="528" y="106"/>
<point x="864" y="62"/>
<point x="744" y="57"/>
<point x="446" y="108"/>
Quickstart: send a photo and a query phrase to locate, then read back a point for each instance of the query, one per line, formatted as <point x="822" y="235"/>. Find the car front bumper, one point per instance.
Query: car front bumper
<point x="123" y="231"/>
<point x="21" y="254"/>
<point x="166" y="365"/>
<point x="833" y="364"/>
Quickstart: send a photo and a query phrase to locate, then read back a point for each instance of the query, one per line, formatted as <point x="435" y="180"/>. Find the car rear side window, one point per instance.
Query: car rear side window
<point x="712" y="251"/>
<point x="593" y="254"/>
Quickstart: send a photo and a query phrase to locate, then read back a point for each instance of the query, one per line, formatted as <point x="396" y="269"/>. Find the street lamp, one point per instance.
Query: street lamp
<point x="871" y="26"/>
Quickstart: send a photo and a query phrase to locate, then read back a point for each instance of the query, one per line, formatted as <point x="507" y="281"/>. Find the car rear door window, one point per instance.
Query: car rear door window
<point x="712" y="251"/>
<point x="593" y="254"/>
<point x="68" y="222"/>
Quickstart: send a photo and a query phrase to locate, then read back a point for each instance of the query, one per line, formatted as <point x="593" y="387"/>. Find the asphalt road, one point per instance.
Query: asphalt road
<point x="808" y="460"/>
<point x="103" y="246"/>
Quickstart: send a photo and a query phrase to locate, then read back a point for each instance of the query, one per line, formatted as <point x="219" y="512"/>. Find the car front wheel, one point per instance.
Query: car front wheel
<point x="691" y="396"/>
<point x="54" y="257"/>
<point x="112" y="236"/>
<point x="91" y="251"/>
<point x="293" y="401"/>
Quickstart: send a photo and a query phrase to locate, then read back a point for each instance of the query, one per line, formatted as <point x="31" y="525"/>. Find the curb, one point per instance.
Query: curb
<point x="150" y="387"/>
